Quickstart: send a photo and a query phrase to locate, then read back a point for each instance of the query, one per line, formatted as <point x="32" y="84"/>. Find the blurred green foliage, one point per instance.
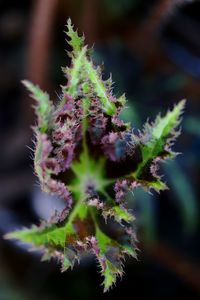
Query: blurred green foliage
<point x="120" y="7"/>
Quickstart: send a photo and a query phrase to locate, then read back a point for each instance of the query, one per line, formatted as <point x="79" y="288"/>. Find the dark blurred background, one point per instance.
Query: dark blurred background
<point x="153" y="50"/>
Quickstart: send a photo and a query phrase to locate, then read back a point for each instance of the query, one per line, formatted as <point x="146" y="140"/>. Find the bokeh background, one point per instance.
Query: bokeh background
<point x="153" y="50"/>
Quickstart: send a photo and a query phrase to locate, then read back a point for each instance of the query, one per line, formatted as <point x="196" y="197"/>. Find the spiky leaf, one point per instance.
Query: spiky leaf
<point x="156" y="142"/>
<point x="43" y="105"/>
<point x="76" y="42"/>
<point x="89" y="157"/>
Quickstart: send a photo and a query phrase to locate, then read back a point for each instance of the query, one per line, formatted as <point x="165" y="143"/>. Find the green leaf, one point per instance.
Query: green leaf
<point x="94" y="75"/>
<point x="165" y="125"/>
<point x="56" y="240"/>
<point x="76" y="42"/>
<point x="43" y="106"/>
<point x="47" y="236"/>
<point x="110" y="269"/>
<point x="186" y="199"/>
<point x="158" y="137"/>
<point x="119" y="213"/>
<point x="82" y="67"/>
<point x="157" y="185"/>
<point x="111" y="255"/>
<point x="75" y="73"/>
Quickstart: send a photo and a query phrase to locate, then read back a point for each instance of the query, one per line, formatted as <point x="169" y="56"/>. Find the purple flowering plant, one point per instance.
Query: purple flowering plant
<point x="85" y="154"/>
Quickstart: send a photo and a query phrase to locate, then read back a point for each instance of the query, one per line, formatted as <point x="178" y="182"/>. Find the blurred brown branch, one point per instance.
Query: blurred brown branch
<point x="186" y="270"/>
<point x="39" y="49"/>
<point x="144" y="41"/>
<point x="90" y="20"/>
<point x="41" y="27"/>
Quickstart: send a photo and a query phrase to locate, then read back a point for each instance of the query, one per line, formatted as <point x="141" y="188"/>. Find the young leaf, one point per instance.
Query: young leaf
<point x="43" y="107"/>
<point x="156" y="142"/>
<point x="94" y="75"/>
<point x="89" y="71"/>
<point x="76" y="42"/>
<point x="89" y="157"/>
